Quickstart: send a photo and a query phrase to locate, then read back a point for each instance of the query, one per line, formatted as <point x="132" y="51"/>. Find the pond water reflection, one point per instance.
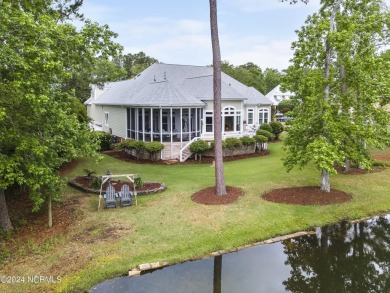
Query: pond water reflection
<point x="344" y="257"/>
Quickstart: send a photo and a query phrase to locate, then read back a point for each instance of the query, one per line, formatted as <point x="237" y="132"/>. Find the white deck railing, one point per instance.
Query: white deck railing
<point x="187" y="145"/>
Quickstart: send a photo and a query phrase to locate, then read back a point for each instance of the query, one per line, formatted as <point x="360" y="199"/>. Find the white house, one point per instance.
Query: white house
<point x="173" y="104"/>
<point x="276" y="95"/>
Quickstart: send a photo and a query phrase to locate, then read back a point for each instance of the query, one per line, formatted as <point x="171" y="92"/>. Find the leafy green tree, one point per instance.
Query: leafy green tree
<point x="272" y="77"/>
<point x="136" y="63"/>
<point x="338" y="77"/>
<point x="277" y="128"/>
<point x="39" y="120"/>
<point x="286" y="106"/>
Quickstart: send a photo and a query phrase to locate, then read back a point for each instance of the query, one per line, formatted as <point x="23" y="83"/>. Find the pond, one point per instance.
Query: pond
<point x="346" y="257"/>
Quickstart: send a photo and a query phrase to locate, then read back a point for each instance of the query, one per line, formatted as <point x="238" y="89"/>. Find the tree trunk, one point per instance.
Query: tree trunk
<point x="325" y="181"/>
<point x="220" y="188"/>
<point x="217" y="280"/>
<point x="49" y="211"/>
<point x="5" y="222"/>
<point x="325" y="178"/>
<point x="360" y="166"/>
<point x="347" y="167"/>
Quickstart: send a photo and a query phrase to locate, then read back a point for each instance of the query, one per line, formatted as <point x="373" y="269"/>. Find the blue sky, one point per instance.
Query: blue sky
<point x="178" y="32"/>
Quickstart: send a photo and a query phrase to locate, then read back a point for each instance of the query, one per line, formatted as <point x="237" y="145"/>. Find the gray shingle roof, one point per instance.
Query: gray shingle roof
<point x="256" y="98"/>
<point x="175" y="85"/>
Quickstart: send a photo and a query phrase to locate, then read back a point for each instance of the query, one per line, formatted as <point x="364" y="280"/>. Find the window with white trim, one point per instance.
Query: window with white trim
<point x="250" y="116"/>
<point x="263" y="115"/>
<point x="209" y="121"/>
<point x="106" y="118"/>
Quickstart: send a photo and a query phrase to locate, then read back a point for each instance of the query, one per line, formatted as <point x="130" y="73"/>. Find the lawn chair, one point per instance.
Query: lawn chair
<point x="110" y="197"/>
<point x="126" y="196"/>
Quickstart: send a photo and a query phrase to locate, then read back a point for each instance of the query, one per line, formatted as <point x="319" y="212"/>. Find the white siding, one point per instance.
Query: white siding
<point x="116" y="120"/>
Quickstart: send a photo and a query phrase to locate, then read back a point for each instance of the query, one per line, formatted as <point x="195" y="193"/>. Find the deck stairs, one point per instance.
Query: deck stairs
<point x="185" y="152"/>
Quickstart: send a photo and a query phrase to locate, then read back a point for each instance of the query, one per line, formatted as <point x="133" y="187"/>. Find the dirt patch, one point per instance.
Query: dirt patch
<point x="307" y="195"/>
<point x="122" y="155"/>
<point x="96" y="234"/>
<point x="382" y="158"/>
<point x="68" y="167"/>
<point x="31" y="228"/>
<point x="207" y="196"/>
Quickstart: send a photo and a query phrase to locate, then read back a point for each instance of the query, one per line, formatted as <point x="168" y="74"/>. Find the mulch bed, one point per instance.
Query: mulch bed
<point x="307" y="195"/>
<point x="358" y="171"/>
<point x="122" y="155"/>
<point x="117" y="184"/>
<point x="207" y="196"/>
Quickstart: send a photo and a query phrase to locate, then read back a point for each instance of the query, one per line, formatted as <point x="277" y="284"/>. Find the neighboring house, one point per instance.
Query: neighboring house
<point x="276" y="95"/>
<point x="173" y="104"/>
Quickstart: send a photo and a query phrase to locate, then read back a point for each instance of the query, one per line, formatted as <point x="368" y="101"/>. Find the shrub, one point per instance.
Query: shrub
<point x="260" y="139"/>
<point x="104" y="140"/>
<point x="199" y="147"/>
<point x="266" y="126"/>
<point x="265" y="133"/>
<point x="247" y="141"/>
<point x="126" y="144"/>
<point x="380" y="164"/>
<point x="88" y="172"/>
<point x="138" y="182"/>
<point x="139" y="147"/>
<point x="277" y="128"/>
<point x="232" y="143"/>
<point x="153" y="148"/>
<point x="96" y="182"/>
<point x="212" y="145"/>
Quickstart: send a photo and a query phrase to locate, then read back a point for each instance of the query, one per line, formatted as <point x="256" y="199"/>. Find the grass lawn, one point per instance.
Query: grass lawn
<point x="170" y="227"/>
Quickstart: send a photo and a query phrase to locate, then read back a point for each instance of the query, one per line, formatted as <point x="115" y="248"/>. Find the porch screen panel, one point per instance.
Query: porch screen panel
<point x="147" y="129"/>
<point x="185" y="122"/>
<point x="175" y="124"/>
<point x="166" y="125"/>
<point x="193" y="122"/>
<point x="132" y="123"/>
<point x="156" y="125"/>
<point x="128" y="122"/>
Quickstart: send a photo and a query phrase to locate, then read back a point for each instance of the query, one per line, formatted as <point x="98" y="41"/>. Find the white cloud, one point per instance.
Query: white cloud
<point x="254" y="6"/>
<point x="190" y="49"/>
<point x="257" y="49"/>
<point x="192" y="26"/>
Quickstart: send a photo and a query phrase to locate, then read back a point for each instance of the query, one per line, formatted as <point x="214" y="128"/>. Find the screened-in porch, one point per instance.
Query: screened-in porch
<point x="164" y="124"/>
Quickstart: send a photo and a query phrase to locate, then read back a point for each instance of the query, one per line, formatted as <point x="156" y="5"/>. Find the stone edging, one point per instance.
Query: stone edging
<point x="141" y="192"/>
